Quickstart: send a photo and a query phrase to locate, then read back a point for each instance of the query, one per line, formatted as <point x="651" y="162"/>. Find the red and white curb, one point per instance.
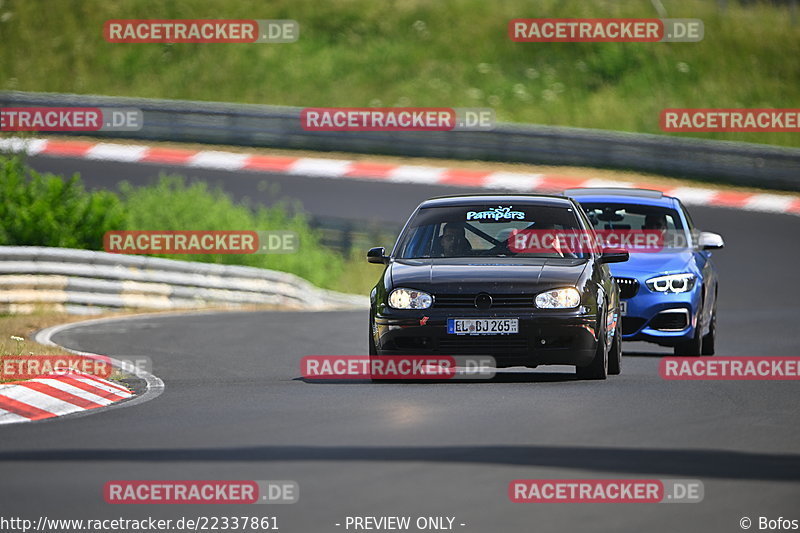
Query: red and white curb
<point x="376" y="171"/>
<point x="72" y="392"/>
<point x="57" y="394"/>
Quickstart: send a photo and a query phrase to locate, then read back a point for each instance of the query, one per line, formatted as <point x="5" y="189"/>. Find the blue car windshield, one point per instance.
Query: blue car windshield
<point x="483" y="231"/>
<point x="625" y="216"/>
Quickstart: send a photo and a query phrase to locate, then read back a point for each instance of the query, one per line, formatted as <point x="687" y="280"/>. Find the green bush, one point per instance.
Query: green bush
<point x="46" y="210"/>
<point x="172" y="204"/>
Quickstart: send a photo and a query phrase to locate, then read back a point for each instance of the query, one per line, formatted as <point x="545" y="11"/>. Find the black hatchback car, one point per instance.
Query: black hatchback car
<point x="453" y="285"/>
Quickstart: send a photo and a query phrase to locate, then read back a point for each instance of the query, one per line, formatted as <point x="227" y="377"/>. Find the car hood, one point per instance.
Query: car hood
<point x="653" y="263"/>
<point x="494" y="275"/>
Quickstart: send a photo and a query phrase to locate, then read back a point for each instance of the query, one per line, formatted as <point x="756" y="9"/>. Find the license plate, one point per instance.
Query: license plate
<point x="623" y="307"/>
<point x="482" y="326"/>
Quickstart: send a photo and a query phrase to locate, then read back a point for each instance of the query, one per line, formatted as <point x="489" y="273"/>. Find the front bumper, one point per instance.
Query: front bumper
<point x="640" y="323"/>
<point x="544" y="338"/>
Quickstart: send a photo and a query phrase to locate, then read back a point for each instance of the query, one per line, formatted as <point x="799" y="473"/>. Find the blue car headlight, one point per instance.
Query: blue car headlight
<point x="672" y="283"/>
<point x="409" y="299"/>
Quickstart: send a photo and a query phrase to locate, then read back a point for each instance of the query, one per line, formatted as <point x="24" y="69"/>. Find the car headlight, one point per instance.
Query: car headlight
<point x="565" y="298"/>
<point x="409" y="299"/>
<point x="671" y="283"/>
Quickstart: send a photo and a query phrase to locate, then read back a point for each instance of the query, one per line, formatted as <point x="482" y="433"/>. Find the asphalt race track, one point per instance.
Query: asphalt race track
<point x="235" y="408"/>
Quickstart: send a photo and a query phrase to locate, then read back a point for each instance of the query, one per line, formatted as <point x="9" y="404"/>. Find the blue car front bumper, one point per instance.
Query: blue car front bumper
<point x="661" y="318"/>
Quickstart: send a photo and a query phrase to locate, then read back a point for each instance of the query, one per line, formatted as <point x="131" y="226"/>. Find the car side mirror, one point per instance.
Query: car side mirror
<point x="377" y="255"/>
<point x="614" y="255"/>
<point x="710" y="241"/>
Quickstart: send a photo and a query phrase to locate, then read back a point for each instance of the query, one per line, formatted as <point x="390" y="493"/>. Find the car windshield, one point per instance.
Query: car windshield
<point x="482" y="230"/>
<point x="635" y="217"/>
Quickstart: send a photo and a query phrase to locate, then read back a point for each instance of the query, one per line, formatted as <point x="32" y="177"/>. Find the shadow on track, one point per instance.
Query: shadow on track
<point x="666" y="462"/>
<point x="500" y="377"/>
<point x="646" y="354"/>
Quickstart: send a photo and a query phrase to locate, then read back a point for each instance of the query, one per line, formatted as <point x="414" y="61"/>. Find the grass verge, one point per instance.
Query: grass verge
<point x="453" y="53"/>
<point x="17" y="331"/>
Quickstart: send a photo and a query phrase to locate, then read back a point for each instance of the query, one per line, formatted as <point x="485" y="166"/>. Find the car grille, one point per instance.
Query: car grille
<point x="443" y="301"/>
<point x="631" y="324"/>
<point x="628" y="287"/>
<point x="670" y="320"/>
<point x="483" y="344"/>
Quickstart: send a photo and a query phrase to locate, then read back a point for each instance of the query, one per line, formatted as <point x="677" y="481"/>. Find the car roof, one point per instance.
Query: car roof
<point x="621" y="195"/>
<point x="482" y="199"/>
<point x="617" y="191"/>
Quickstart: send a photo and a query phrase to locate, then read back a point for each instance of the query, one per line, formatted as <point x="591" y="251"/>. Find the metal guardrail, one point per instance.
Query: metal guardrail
<point x="86" y="281"/>
<point x="279" y="127"/>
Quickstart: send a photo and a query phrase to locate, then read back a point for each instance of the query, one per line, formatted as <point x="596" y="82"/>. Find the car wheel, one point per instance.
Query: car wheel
<point x="691" y="348"/>
<point x="373" y="352"/>
<point x="710" y="337"/>
<point x="372" y="349"/>
<point x="615" y="354"/>
<point x="598" y="369"/>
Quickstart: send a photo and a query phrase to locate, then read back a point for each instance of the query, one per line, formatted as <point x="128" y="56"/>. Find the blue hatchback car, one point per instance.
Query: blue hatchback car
<point x="668" y="297"/>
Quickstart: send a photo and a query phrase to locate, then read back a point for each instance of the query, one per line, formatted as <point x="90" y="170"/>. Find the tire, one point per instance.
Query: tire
<point x="598" y="369"/>
<point x="691" y="348"/>
<point x="615" y="354"/>
<point x="372" y="349"/>
<point x="373" y="352"/>
<point x="710" y="337"/>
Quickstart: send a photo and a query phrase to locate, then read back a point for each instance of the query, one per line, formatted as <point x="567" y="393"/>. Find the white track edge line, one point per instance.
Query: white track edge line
<point x="154" y="385"/>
